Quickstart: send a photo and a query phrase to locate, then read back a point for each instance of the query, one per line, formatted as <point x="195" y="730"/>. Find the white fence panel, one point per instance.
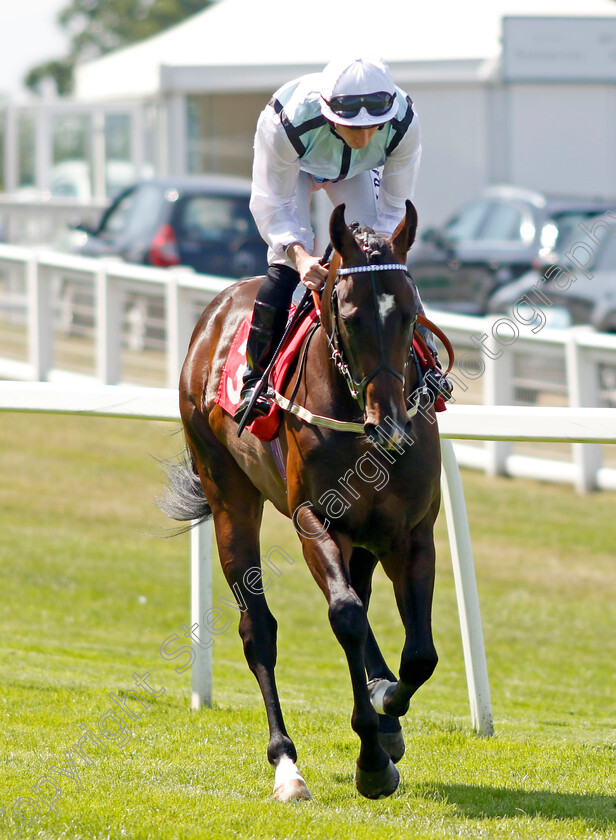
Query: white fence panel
<point x="574" y="367"/>
<point x="41" y="285"/>
<point x="498" y="361"/>
<point x="31" y="221"/>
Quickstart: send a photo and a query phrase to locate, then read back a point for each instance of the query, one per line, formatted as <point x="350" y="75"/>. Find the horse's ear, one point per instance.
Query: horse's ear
<point x="404" y="235"/>
<point x="341" y="237"/>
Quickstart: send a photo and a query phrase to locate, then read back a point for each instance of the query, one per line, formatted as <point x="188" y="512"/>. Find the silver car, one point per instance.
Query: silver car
<point x="490" y="242"/>
<point x="575" y="286"/>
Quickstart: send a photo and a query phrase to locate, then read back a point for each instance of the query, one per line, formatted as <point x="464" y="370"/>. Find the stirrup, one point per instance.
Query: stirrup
<point x="260" y="408"/>
<point x="439" y="384"/>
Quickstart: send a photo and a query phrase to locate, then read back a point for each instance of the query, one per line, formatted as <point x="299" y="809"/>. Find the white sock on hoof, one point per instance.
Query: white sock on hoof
<point x="289" y="781"/>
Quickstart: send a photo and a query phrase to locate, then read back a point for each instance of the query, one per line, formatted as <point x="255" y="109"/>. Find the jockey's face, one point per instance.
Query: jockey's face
<point x="356" y="138"/>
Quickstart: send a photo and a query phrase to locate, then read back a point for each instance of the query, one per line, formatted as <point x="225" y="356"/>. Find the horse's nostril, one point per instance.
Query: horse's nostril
<point x="393" y="437"/>
<point x="378" y="436"/>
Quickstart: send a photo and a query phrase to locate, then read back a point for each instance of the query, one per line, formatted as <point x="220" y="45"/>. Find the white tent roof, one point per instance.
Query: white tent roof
<point x="257" y="44"/>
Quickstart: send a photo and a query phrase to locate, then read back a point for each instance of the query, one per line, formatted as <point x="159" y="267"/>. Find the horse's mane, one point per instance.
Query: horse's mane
<point x="372" y="243"/>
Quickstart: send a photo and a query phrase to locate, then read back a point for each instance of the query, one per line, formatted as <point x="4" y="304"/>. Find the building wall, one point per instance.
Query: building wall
<point x="563" y="138"/>
<point x="220" y="131"/>
<point x="455" y="138"/>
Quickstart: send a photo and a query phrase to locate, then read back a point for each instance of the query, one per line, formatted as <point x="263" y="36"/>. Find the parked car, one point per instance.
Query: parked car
<point x="569" y="293"/>
<point x="198" y="221"/>
<point x="489" y="242"/>
<point x="203" y="222"/>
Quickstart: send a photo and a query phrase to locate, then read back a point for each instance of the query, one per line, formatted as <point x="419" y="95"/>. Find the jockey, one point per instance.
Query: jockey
<point x="350" y="131"/>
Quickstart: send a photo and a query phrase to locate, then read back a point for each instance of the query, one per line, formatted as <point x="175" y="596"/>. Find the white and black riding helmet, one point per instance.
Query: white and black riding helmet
<point x="358" y="92"/>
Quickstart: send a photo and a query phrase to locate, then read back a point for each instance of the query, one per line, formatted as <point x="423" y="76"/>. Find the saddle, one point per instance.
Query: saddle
<point x="228" y="396"/>
<point x="229" y="390"/>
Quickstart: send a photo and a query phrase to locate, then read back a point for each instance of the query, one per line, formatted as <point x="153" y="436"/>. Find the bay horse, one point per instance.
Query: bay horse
<point x="356" y="368"/>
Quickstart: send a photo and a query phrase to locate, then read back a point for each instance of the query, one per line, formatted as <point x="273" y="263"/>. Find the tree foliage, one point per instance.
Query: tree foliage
<point x="97" y="27"/>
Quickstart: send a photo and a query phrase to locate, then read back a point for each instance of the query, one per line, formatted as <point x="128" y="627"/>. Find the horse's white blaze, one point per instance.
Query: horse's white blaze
<point x="387" y="304"/>
<point x="288" y="782"/>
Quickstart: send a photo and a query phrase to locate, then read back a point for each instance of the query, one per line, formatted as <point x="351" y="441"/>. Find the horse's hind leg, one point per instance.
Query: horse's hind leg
<point x="361" y="569"/>
<point x="237" y="508"/>
<point x="238" y="548"/>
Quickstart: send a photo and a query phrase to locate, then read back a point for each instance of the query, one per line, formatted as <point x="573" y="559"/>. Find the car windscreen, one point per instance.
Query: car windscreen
<point x="215" y="218"/>
<point x="606" y="260"/>
<point x="567" y="225"/>
<point x="490" y="221"/>
<point x="591" y="244"/>
<point x="135" y="213"/>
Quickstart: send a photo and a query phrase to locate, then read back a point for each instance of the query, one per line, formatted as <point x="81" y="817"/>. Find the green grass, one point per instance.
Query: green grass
<point x="88" y="592"/>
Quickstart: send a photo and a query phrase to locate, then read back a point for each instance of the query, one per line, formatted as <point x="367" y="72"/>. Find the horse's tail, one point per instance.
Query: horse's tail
<point x="183" y="498"/>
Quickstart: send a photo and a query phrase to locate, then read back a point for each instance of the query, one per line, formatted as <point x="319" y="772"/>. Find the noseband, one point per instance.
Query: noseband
<point x="358" y="389"/>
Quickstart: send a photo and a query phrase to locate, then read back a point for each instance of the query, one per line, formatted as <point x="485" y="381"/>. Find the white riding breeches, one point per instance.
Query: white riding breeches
<point x="359" y="194"/>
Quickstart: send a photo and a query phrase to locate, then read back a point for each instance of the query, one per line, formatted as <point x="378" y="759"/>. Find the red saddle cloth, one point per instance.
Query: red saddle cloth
<point x="228" y="396"/>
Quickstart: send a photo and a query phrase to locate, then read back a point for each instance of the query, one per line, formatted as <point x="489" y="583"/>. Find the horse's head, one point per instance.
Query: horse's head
<point x="369" y="309"/>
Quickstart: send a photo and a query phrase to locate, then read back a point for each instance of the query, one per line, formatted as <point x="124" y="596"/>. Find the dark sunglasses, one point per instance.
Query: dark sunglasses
<point x="376" y="104"/>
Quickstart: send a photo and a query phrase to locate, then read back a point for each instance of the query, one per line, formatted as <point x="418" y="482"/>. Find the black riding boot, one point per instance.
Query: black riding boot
<point x="436" y="380"/>
<point x="269" y="318"/>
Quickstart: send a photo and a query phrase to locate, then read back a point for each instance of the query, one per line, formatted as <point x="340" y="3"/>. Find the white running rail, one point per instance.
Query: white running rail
<point x="498" y="362"/>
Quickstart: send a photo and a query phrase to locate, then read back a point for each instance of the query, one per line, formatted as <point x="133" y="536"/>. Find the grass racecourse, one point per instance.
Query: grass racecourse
<point x="88" y="593"/>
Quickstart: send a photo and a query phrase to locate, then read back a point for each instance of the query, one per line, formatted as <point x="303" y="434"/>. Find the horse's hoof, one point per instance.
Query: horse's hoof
<point x="288" y="783"/>
<point x="393" y="744"/>
<point x="379" y="784"/>
<point x="291" y="790"/>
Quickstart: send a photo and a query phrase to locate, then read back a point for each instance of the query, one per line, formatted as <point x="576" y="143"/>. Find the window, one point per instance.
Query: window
<point x="504" y="223"/>
<point x="569" y="225"/>
<point x="466" y="225"/>
<point x="216" y="218"/>
<point x="490" y="221"/>
<point x="591" y="254"/>
<point x="135" y="214"/>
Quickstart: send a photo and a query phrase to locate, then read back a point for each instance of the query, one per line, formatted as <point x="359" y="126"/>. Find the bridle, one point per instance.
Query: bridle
<point x="357" y="389"/>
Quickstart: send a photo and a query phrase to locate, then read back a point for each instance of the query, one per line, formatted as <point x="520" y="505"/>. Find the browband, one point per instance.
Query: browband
<point x="363" y="268"/>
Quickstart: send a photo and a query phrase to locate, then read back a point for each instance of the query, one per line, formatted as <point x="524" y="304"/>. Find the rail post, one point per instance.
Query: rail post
<point x="466" y="593"/>
<point x="200" y="606"/>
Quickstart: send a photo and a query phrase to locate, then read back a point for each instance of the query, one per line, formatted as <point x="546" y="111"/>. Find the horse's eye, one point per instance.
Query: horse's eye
<point x="351" y="320"/>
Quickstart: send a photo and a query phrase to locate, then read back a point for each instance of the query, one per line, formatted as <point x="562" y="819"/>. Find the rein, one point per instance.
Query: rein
<point x="330" y="422"/>
<point x="438" y="332"/>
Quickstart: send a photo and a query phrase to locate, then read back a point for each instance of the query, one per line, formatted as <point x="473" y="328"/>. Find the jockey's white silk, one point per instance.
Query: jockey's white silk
<point x="282" y="181"/>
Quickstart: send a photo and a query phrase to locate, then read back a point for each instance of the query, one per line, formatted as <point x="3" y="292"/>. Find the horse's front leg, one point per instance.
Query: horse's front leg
<point x="376" y="775"/>
<point x="412" y="574"/>
<point x="361" y="569"/>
